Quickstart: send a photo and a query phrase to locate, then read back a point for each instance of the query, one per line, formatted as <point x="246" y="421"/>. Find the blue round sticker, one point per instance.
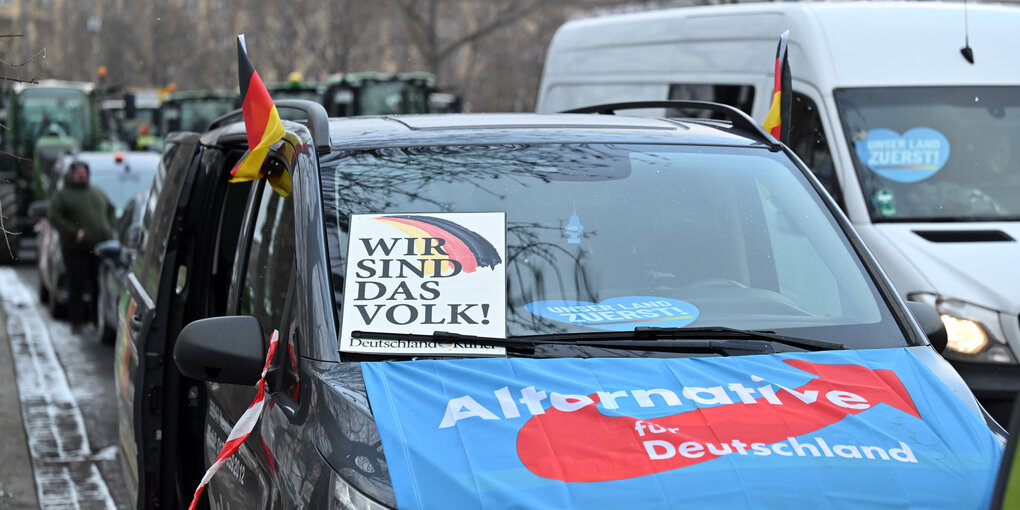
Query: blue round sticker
<point x="916" y="155"/>
<point x="618" y="314"/>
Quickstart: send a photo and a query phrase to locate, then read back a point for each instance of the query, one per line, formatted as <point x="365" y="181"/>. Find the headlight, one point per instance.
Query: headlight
<point x="975" y="333"/>
<point x="346" y="497"/>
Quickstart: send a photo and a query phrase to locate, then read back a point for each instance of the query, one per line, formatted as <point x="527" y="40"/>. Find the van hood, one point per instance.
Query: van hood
<point x="976" y="263"/>
<point x="781" y="430"/>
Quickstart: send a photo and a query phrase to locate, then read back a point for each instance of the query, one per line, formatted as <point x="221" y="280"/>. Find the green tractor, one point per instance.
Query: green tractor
<point x="375" y="93"/>
<point x="296" y="87"/>
<point x="132" y="118"/>
<point x="45" y="120"/>
<point x="195" y="110"/>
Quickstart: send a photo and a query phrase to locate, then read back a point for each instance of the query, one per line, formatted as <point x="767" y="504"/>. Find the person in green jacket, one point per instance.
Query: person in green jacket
<point x="83" y="216"/>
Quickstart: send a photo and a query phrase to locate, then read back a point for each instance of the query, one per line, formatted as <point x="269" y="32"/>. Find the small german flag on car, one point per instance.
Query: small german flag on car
<point x="261" y="120"/>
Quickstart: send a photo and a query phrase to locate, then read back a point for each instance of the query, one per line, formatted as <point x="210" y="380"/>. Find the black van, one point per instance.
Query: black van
<point x="524" y="310"/>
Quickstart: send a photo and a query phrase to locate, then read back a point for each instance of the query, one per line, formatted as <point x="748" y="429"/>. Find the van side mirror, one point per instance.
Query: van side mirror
<point x="37" y="209"/>
<point x="109" y="249"/>
<point x="229" y="350"/>
<point x="931" y="324"/>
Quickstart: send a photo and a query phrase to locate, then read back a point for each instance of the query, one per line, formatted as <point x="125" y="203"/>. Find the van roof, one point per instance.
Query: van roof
<point x="837" y="44"/>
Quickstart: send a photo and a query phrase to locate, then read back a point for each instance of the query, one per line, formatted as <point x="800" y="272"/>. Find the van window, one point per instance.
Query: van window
<point x="935" y="153"/>
<point x="270" y="258"/>
<point x="739" y="96"/>
<point x="228" y="232"/>
<point x="579" y="95"/>
<point x="809" y="143"/>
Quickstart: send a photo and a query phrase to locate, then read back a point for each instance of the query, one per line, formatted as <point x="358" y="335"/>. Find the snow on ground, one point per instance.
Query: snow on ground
<point x="66" y="468"/>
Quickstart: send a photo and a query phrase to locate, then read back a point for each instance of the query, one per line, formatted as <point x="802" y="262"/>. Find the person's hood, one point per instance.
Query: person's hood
<point x="973" y="262"/>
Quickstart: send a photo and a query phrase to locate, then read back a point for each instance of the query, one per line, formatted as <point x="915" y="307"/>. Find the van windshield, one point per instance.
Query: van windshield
<point x="935" y="153"/>
<point x="610" y="237"/>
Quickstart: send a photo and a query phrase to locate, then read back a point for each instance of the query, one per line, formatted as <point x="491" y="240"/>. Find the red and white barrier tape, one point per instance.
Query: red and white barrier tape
<point x="243" y="427"/>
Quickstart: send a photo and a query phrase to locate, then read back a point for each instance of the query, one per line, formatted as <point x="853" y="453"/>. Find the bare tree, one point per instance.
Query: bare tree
<point x="493" y="48"/>
<point x="490" y="49"/>
<point x="435" y="34"/>
<point x="10" y="161"/>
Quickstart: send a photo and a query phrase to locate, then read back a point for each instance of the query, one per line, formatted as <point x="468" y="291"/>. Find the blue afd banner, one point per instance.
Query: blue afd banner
<point x="870" y="429"/>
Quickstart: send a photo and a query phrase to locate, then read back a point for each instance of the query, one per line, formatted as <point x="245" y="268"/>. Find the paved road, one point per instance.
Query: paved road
<point x="62" y="452"/>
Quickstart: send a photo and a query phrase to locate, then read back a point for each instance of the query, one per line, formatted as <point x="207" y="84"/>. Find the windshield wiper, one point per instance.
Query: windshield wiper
<point x="602" y="339"/>
<point x="808" y="344"/>
<point x="707" y="339"/>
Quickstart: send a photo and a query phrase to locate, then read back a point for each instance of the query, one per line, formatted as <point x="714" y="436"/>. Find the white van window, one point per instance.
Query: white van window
<point x="809" y="142"/>
<point x="571" y="96"/>
<point x="738" y="96"/>
<point x="935" y="153"/>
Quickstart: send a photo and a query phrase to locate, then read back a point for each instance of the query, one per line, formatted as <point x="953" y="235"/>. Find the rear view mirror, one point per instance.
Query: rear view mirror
<point x="931" y="324"/>
<point x="228" y="350"/>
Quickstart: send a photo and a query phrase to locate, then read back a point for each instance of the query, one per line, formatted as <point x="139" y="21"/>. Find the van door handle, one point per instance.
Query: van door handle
<point x="136" y="323"/>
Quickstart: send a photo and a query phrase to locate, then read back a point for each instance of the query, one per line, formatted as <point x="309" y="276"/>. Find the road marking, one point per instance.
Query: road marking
<point x="66" y="471"/>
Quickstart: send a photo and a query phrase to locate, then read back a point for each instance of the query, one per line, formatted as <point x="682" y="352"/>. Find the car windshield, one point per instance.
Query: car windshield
<point x="120" y="186"/>
<point x="733" y="237"/>
<point x="935" y="153"/>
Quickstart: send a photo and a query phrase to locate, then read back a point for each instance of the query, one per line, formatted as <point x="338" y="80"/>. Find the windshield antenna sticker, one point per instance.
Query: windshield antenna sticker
<point x="574" y="229"/>
<point x="618" y="314"/>
<point x="915" y="156"/>
<point x="885" y="201"/>
<point x="424" y="273"/>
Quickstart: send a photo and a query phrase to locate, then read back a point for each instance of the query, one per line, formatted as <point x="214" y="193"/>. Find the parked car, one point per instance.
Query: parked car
<point x="116" y="256"/>
<point x="523" y="311"/>
<point x="120" y="175"/>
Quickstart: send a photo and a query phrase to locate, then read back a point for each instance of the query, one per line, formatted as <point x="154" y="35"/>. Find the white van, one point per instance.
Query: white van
<point x="913" y="141"/>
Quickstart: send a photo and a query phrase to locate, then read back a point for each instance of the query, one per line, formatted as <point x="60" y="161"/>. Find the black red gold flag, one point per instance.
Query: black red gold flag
<point x="778" y="120"/>
<point x="261" y="120"/>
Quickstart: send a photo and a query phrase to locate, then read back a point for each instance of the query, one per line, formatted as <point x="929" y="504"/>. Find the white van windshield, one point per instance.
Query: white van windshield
<point x="935" y="153"/>
<point x="599" y="234"/>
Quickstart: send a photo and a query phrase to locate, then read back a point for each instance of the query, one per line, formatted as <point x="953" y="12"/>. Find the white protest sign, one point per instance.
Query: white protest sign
<point x="423" y="273"/>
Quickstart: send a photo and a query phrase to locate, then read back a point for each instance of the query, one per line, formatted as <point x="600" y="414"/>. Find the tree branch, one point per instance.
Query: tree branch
<point x="415" y="19"/>
<point x="40" y="53"/>
<point x="505" y="17"/>
<point x="19" y="80"/>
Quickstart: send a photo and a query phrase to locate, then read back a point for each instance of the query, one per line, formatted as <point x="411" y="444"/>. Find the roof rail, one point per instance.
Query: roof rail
<point x="736" y="117"/>
<point x="318" y="120"/>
